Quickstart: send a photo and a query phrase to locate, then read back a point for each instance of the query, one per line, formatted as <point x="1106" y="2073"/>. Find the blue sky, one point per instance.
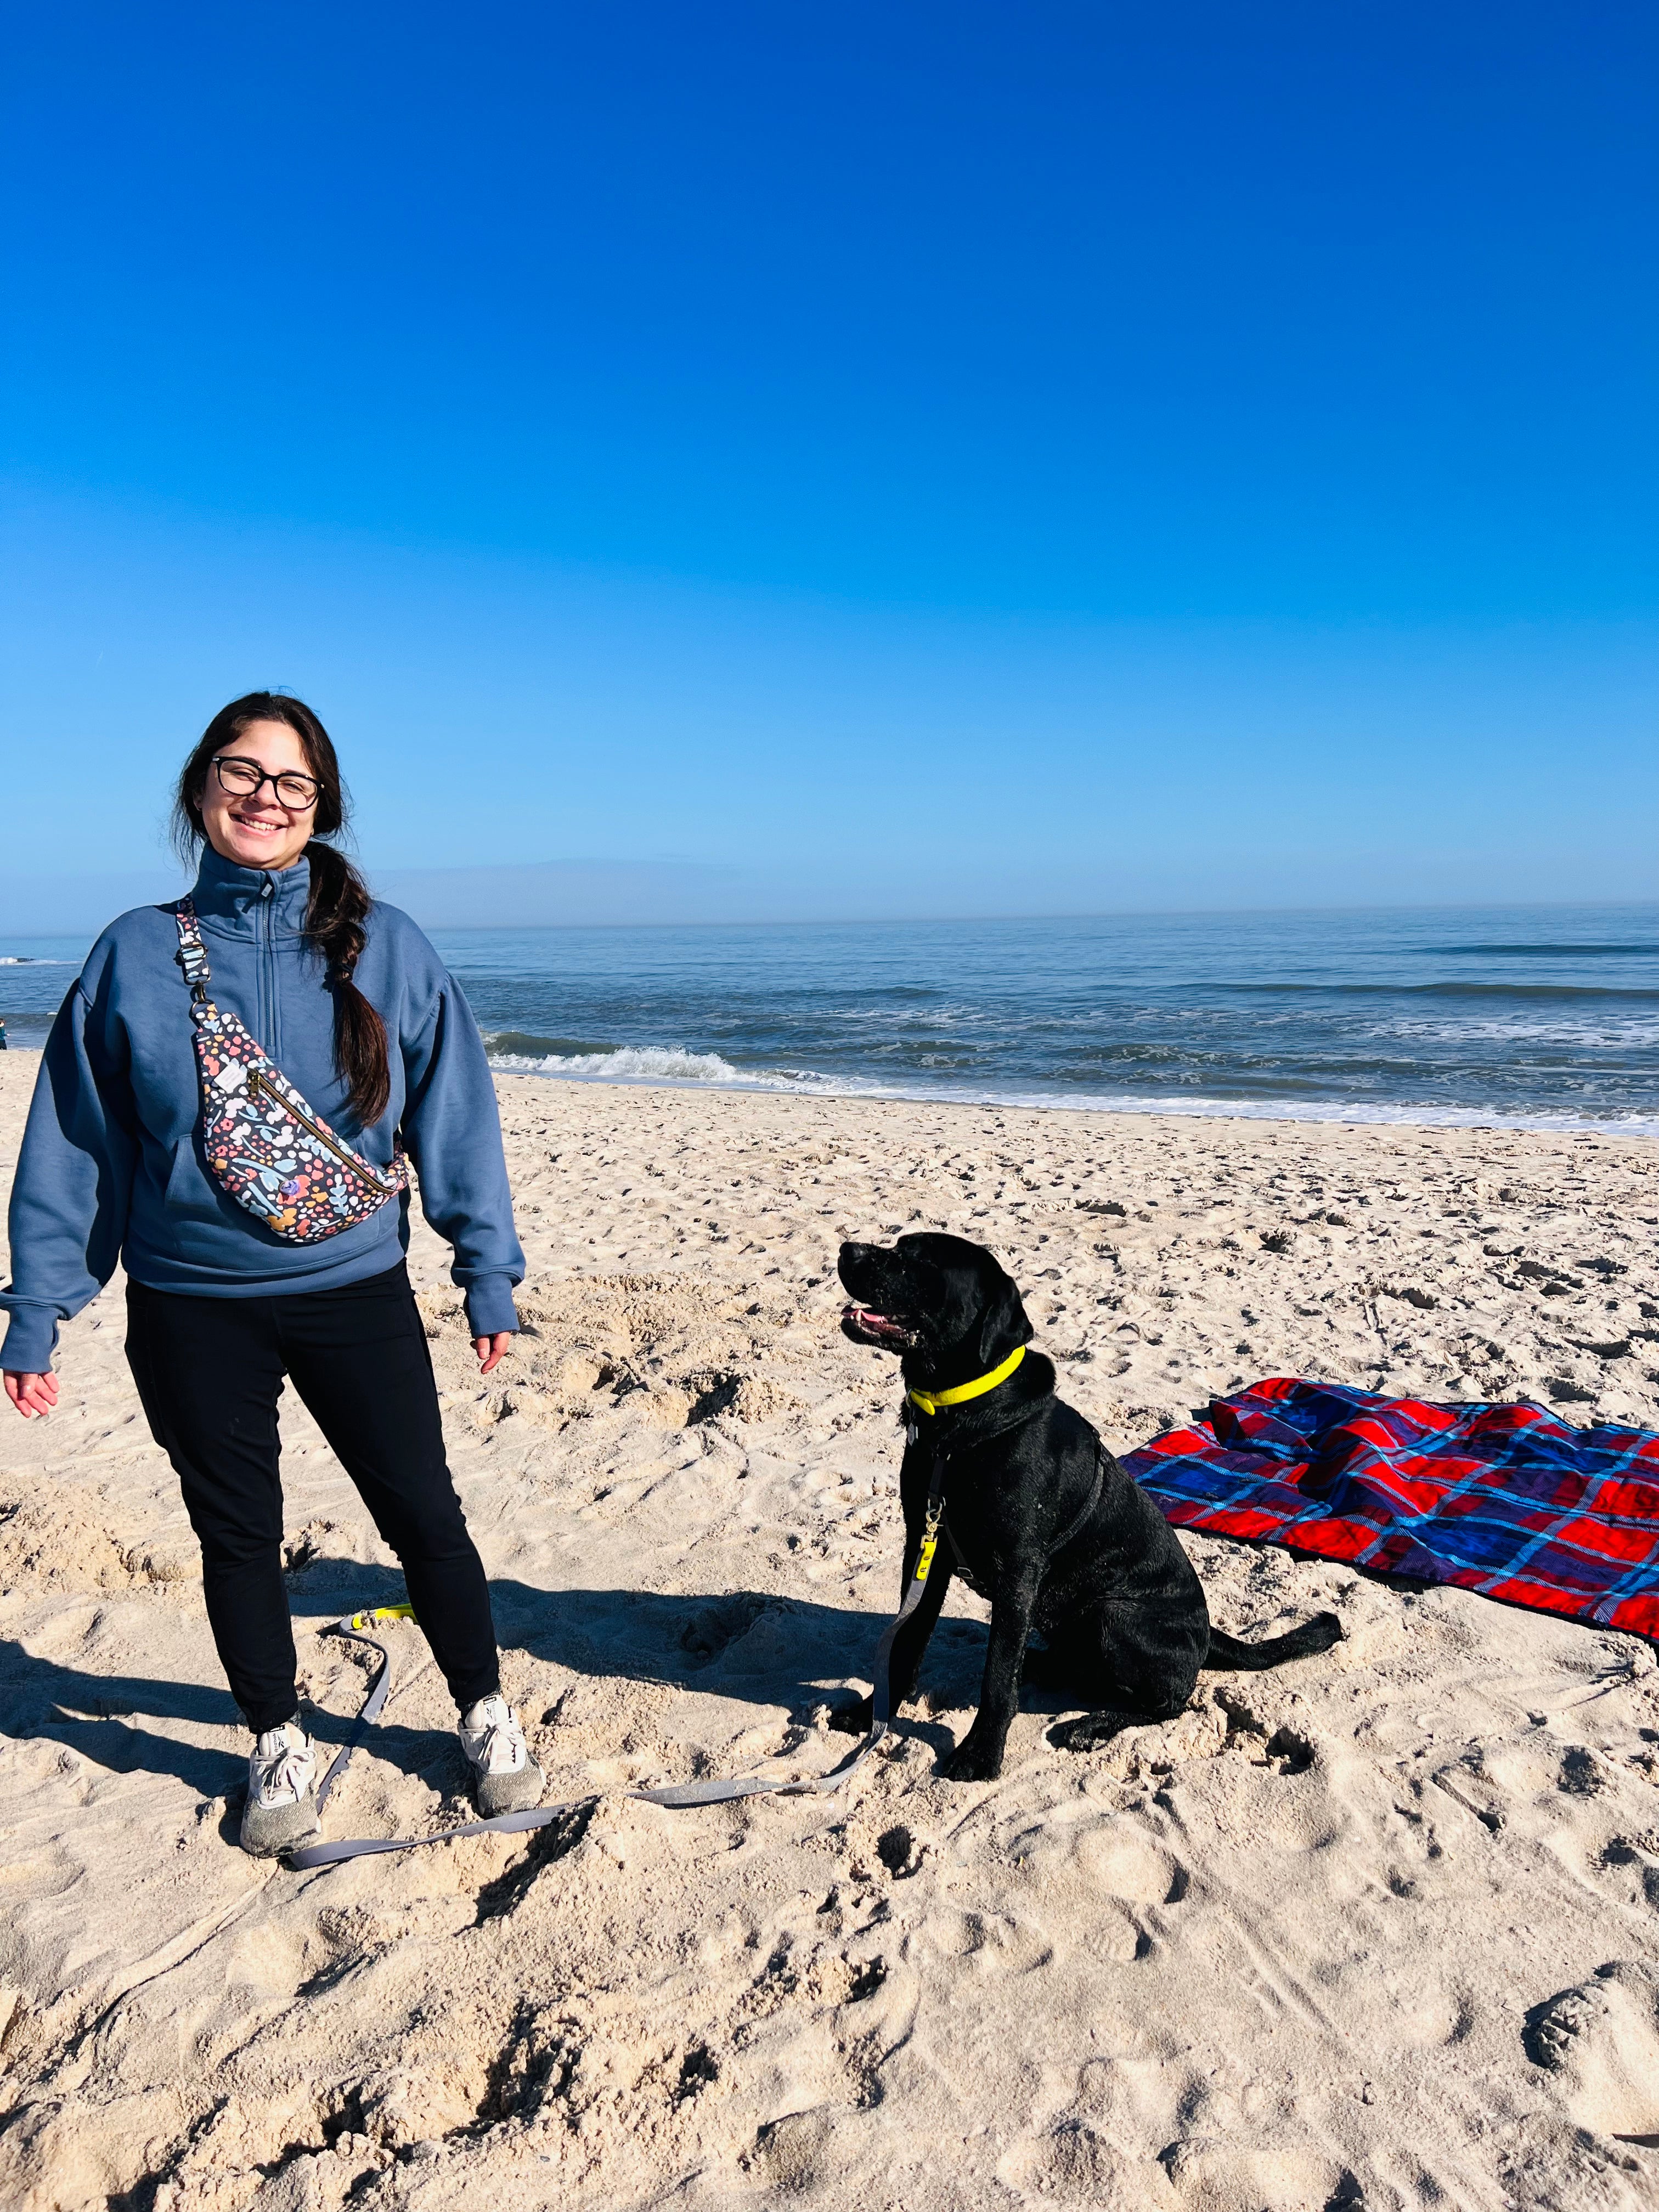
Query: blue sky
<point x="919" y="458"/>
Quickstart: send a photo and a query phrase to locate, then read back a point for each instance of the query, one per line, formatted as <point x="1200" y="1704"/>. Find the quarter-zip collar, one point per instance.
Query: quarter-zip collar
<point x="266" y="910"/>
<point x="252" y="902"/>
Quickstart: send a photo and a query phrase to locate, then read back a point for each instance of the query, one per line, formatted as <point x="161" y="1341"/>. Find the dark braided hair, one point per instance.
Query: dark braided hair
<point x="338" y="905"/>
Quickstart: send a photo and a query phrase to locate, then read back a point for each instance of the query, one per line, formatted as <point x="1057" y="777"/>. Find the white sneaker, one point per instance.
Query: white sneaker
<point x="281" y="1791"/>
<point x="505" y="1778"/>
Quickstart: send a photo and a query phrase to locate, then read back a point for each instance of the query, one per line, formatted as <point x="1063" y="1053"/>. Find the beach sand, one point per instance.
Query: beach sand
<point x="1380" y="1929"/>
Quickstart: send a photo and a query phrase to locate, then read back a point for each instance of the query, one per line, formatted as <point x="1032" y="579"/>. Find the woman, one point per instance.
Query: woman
<point x="354" y="1008"/>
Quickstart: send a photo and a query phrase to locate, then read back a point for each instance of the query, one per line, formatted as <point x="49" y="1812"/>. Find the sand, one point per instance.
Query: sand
<point x="1381" y="1929"/>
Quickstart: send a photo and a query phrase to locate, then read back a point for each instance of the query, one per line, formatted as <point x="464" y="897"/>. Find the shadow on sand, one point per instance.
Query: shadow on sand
<point x="764" y="1650"/>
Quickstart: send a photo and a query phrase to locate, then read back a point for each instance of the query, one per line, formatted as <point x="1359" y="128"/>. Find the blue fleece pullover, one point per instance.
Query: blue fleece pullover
<point x="112" y="1165"/>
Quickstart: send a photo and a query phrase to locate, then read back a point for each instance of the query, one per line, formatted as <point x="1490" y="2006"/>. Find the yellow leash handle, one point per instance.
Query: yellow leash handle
<point x="359" y="1622"/>
<point x="929" y="1545"/>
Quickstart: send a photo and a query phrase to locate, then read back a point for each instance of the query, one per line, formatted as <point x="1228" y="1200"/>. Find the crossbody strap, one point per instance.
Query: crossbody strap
<point x="192" y="953"/>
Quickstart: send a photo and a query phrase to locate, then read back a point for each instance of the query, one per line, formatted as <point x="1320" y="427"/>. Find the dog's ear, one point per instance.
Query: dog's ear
<point x="1004" y="1323"/>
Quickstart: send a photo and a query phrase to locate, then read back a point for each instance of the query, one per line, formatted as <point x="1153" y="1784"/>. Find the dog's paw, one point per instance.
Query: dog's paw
<point x="973" y="1760"/>
<point x="1090" y="1730"/>
<point x="853" y="1720"/>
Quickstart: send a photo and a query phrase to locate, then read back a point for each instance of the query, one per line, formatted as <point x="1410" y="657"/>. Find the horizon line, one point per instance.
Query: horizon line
<point x="900" y="920"/>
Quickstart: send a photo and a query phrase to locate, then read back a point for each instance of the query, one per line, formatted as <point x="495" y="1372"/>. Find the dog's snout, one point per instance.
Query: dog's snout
<point x="853" y="1256"/>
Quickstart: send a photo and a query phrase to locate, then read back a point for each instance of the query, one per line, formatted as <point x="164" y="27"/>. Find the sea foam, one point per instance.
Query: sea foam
<point x="649" y="1063"/>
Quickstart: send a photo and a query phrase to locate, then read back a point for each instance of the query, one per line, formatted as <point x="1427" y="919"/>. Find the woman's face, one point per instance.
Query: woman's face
<point x="258" y="829"/>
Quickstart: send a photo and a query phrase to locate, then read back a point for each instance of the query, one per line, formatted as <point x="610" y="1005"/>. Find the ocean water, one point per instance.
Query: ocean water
<point x="1547" y="1016"/>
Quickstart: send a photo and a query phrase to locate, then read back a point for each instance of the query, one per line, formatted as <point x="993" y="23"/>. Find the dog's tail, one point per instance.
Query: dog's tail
<point x="1318" y="1634"/>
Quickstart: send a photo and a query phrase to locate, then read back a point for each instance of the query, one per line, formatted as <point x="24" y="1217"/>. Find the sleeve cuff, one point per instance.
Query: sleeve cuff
<point x="32" y="1339"/>
<point x="489" y="1307"/>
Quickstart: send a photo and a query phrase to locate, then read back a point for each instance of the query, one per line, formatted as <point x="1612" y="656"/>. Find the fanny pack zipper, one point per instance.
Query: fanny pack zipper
<point x="257" y="1086"/>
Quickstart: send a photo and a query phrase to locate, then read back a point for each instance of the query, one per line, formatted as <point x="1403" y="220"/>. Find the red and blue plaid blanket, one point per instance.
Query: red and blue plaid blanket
<point x="1503" y="1500"/>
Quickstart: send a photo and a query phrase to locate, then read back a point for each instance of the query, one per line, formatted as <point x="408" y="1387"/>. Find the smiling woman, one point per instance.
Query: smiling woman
<point x="263" y="1234"/>
<point x="238" y="819"/>
<point x="265" y="743"/>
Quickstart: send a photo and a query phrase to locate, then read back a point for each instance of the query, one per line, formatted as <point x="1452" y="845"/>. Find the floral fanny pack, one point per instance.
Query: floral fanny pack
<point x="264" y="1144"/>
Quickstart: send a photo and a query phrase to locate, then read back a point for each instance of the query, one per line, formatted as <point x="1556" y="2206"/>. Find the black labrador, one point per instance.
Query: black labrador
<point x="1039" y="1517"/>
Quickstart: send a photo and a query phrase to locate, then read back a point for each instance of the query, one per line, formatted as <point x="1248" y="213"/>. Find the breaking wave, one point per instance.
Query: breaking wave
<point x="628" y="1063"/>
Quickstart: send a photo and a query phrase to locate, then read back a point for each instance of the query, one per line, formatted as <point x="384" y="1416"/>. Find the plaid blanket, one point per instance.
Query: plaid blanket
<point x="1503" y="1500"/>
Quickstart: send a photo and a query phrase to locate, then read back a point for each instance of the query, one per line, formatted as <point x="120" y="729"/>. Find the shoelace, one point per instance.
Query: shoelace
<point x="289" y="1769"/>
<point x="501" y="1732"/>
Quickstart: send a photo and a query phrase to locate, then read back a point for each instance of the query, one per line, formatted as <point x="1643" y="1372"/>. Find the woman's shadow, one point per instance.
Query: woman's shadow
<point x="101" y="1716"/>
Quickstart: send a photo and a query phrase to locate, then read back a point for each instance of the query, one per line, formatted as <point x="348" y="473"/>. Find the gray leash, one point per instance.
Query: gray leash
<point x="752" y="1785"/>
<point x="308" y="1855"/>
<point x="353" y="1625"/>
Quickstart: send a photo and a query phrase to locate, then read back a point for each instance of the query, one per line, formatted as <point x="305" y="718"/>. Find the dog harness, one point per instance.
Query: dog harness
<point x="959" y="1565"/>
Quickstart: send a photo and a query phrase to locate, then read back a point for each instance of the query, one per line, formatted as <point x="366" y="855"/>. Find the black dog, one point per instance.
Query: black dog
<point x="1038" y="1516"/>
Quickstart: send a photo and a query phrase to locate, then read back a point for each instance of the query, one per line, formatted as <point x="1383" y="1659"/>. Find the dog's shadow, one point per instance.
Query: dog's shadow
<point x="766" y="1649"/>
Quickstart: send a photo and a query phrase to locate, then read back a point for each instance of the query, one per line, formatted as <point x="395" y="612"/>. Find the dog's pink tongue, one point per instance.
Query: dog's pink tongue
<point x="867" y="1317"/>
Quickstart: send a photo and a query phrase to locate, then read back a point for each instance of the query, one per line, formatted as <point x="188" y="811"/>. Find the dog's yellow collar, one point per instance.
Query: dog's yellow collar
<point x="931" y="1400"/>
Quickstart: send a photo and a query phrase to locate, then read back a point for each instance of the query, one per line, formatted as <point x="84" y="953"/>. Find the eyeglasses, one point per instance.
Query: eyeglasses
<point x="244" y="777"/>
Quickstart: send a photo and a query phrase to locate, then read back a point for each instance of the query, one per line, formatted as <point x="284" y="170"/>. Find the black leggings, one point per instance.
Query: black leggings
<point x="209" y="1372"/>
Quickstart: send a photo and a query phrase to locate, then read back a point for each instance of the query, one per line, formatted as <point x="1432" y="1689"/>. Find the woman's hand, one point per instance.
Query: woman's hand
<point x="488" y="1349"/>
<point x="34" y="1394"/>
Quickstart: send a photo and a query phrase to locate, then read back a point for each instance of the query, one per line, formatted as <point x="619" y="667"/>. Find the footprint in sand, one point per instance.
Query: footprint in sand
<point x="1072" y="2165"/>
<point x="1127" y="1866"/>
<point x="1212" y="2174"/>
<point x="1632" y="1864"/>
<point x="790" y="2152"/>
<point x="1599" y="2042"/>
<point x="988" y="1943"/>
<point x="713" y="1627"/>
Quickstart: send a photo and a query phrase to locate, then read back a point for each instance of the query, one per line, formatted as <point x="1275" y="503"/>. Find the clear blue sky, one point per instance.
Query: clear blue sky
<point x="982" y="456"/>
